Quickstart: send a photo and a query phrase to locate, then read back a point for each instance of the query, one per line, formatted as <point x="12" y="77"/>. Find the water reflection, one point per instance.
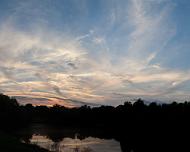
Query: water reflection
<point x="67" y="144"/>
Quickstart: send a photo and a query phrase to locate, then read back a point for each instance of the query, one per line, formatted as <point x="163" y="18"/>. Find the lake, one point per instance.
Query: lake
<point x="63" y="139"/>
<point x="67" y="144"/>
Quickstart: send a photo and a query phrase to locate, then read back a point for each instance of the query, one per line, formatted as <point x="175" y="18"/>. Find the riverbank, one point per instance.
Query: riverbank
<point x="10" y="143"/>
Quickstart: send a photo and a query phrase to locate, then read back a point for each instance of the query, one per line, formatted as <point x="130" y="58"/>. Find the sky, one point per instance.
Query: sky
<point x="75" y="52"/>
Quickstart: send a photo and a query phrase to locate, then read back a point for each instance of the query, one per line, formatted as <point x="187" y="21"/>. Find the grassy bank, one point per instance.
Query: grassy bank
<point x="9" y="143"/>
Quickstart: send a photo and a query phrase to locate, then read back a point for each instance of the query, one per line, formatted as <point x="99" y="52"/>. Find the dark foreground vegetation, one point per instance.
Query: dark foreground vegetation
<point x="8" y="143"/>
<point x="137" y="126"/>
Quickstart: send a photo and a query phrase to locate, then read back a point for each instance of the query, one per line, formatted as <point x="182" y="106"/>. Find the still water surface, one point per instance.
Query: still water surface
<point x="68" y="140"/>
<point x="67" y="144"/>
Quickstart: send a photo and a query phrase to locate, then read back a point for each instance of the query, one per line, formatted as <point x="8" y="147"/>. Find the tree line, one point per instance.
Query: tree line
<point x="133" y="124"/>
<point x="127" y="114"/>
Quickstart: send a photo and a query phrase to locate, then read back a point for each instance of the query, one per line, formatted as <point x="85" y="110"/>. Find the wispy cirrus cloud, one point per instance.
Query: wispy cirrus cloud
<point x="102" y="61"/>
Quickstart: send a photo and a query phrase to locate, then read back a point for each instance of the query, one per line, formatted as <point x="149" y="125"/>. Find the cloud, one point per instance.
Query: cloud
<point x="99" y="40"/>
<point x="47" y="99"/>
<point x="102" y="62"/>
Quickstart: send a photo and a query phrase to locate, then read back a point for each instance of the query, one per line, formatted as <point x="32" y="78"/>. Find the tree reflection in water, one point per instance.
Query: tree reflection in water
<point x="89" y="144"/>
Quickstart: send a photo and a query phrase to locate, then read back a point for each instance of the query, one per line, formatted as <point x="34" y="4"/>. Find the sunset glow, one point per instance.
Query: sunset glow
<point x="94" y="52"/>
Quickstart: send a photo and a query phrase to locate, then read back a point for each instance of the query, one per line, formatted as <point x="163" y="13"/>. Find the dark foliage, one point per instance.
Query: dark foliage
<point x="137" y="126"/>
